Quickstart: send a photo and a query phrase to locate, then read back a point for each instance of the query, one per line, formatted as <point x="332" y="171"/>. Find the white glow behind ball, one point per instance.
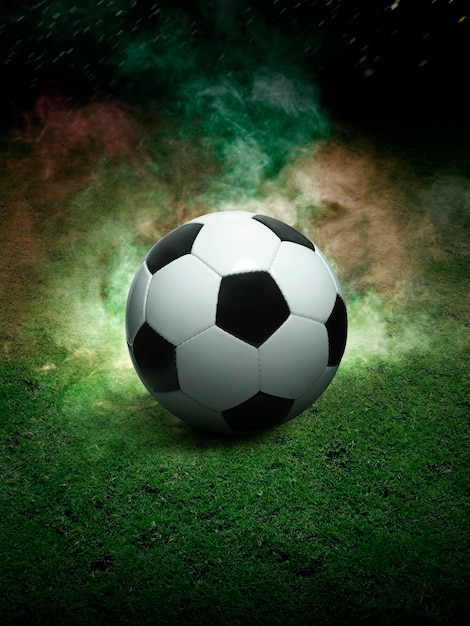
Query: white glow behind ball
<point x="235" y="322"/>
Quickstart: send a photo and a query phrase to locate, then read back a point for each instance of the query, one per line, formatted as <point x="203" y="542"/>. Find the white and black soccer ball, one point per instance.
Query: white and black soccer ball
<point x="235" y="322"/>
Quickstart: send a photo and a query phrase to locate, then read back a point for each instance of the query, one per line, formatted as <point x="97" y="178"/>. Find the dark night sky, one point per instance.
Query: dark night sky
<point x="367" y="54"/>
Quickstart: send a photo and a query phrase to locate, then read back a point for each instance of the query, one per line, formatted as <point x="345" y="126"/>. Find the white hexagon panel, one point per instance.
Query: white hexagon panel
<point x="305" y="281"/>
<point x="236" y="244"/>
<point x="226" y="372"/>
<point x="302" y="402"/>
<point x="196" y="414"/>
<point x="293" y="357"/>
<point x="137" y="301"/>
<point x="182" y="299"/>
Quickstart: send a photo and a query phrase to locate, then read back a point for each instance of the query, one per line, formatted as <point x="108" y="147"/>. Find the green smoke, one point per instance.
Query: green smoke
<point x="246" y="105"/>
<point x="247" y="95"/>
<point x="256" y="126"/>
<point x="219" y="120"/>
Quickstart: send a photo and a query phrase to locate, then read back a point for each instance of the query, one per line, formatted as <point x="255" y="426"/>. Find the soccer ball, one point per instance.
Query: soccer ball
<point x="235" y="322"/>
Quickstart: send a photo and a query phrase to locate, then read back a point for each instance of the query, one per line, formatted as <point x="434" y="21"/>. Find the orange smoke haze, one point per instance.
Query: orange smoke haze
<point x="365" y="213"/>
<point x="363" y="209"/>
<point x="65" y="137"/>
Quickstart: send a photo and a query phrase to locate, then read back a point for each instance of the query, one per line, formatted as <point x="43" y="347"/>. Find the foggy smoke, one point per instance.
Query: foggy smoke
<point x="233" y="134"/>
<point x="447" y="203"/>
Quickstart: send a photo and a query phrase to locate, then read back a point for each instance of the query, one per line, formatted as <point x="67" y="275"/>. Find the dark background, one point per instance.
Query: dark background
<point x="368" y="55"/>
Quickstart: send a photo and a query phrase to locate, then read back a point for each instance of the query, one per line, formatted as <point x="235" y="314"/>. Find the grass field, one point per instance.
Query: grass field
<point x="113" y="511"/>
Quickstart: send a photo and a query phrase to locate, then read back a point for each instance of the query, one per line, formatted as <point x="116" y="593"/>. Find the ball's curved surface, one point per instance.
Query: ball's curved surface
<point x="235" y="322"/>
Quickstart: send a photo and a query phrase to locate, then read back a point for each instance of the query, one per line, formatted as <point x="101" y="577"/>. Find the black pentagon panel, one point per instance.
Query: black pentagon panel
<point x="155" y="358"/>
<point x="251" y="306"/>
<point x="177" y="243"/>
<point x="259" y="412"/>
<point x="337" y="327"/>
<point x="284" y="231"/>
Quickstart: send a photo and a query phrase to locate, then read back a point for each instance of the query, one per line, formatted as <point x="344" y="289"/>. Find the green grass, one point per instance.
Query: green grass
<point x="114" y="512"/>
<point x="357" y="511"/>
